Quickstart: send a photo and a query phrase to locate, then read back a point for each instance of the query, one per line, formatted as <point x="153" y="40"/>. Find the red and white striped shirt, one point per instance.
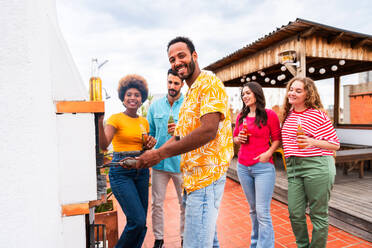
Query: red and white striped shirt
<point x="316" y="125"/>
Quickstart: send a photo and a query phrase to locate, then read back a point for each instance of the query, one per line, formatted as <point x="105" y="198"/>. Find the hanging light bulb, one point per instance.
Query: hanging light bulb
<point x="283" y="68"/>
<point x="334" y="68"/>
<point x="242" y="80"/>
<point x="253" y="77"/>
<point x="262" y="74"/>
<point x="311" y="69"/>
<point x="281" y="77"/>
<point x="341" y="62"/>
<point x="248" y="79"/>
<point x="322" y="71"/>
<point x="267" y="79"/>
<point x="273" y="81"/>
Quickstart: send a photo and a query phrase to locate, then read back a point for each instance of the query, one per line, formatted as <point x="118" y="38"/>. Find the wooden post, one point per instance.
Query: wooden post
<point x="301" y="53"/>
<point x="336" y="105"/>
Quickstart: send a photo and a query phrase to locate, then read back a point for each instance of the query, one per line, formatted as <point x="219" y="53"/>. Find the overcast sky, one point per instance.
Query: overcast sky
<point x="133" y="35"/>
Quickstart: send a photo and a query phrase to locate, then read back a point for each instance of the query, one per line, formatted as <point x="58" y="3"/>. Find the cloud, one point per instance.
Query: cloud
<point x="133" y="35"/>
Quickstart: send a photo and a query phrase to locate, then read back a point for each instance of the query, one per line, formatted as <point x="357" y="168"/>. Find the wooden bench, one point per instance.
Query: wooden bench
<point x="355" y="156"/>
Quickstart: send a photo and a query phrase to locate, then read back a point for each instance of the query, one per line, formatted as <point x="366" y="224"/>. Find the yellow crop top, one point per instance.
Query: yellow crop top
<point x="128" y="136"/>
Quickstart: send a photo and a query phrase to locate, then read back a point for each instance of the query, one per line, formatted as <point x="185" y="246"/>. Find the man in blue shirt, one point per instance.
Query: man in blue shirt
<point x="158" y="115"/>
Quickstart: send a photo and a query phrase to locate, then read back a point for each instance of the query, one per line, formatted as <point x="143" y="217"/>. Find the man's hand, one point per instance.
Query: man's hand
<point x="149" y="159"/>
<point x="171" y="128"/>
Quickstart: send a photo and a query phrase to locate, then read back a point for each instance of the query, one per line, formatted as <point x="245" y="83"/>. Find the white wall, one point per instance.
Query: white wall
<point x="36" y="69"/>
<point x="355" y="136"/>
<point x="74" y="231"/>
<point x="77" y="158"/>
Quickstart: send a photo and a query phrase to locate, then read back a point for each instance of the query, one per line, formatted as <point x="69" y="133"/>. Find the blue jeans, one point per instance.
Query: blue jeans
<point x="131" y="189"/>
<point x="201" y="212"/>
<point x="258" y="183"/>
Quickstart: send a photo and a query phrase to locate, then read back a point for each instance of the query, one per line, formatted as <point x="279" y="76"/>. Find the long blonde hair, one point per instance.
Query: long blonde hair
<point x="312" y="99"/>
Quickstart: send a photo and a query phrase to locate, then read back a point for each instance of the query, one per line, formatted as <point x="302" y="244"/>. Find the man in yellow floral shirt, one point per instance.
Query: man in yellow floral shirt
<point x="204" y="138"/>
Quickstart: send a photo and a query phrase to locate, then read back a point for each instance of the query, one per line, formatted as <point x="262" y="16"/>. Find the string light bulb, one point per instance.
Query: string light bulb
<point x="311" y="69"/>
<point x="334" y="68"/>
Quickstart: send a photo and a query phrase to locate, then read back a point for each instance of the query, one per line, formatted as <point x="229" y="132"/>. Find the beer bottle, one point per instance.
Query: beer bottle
<point x="300" y="131"/>
<point x="171" y="121"/>
<point x="95" y="83"/>
<point x="245" y="130"/>
<point x="145" y="136"/>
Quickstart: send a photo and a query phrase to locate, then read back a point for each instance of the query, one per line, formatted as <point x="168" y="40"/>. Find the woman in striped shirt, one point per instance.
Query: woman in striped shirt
<point x="309" y="141"/>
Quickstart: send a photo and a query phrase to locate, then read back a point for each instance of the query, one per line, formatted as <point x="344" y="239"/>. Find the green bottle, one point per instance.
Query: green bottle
<point x="170" y="121"/>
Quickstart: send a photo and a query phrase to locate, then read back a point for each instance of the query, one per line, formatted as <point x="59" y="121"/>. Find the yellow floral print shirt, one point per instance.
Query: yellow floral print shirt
<point x="206" y="164"/>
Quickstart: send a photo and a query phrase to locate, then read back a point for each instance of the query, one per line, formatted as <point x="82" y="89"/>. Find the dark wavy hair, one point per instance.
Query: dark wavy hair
<point x="185" y="40"/>
<point x="261" y="115"/>
<point x="133" y="81"/>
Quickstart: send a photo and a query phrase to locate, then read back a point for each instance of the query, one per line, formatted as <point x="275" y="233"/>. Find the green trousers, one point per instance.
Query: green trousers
<point x="310" y="181"/>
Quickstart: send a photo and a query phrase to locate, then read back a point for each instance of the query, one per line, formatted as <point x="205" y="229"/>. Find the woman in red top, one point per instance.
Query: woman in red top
<point x="309" y="141"/>
<point x="255" y="127"/>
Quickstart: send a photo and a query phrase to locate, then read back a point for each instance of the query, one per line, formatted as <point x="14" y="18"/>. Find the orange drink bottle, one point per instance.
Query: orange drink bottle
<point x="145" y="135"/>
<point x="245" y="130"/>
<point x="300" y="131"/>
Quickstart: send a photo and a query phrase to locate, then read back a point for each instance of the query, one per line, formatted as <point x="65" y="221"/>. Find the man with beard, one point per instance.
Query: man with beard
<point x="204" y="138"/>
<point x="158" y="115"/>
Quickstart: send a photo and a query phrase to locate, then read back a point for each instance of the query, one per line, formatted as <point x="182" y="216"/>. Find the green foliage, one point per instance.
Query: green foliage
<point x="104" y="207"/>
<point x="145" y="106"/>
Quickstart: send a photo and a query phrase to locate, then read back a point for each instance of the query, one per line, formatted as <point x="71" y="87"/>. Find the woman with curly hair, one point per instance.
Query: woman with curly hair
<point x="309" y="141"/>
<point x="256" y="169"/>
<point x="130" y="186"/>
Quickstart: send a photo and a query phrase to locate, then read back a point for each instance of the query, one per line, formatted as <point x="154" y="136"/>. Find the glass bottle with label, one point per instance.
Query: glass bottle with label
<point x="171" y="121"/>
<point x="300" y="131"/>
<point x="245" y="130"/>
<point x="144" y="135"/>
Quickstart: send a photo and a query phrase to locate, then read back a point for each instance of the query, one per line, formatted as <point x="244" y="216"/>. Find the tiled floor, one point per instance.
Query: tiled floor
<point x="234" y="223"/>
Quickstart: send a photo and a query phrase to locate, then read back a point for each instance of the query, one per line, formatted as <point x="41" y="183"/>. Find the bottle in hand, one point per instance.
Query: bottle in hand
<point x="245" y="130"/>
<point x="300" y="131"/>
<point x="145" y="136"/>
<point x="171" y="121"/>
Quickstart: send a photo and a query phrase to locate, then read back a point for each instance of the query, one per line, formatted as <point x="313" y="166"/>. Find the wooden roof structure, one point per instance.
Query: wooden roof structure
<point x="316" y="45"/>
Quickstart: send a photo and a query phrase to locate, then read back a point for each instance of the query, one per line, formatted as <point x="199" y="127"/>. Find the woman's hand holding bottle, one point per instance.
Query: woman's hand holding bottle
<point x="243" y="137"/>
<point x="148" y="142"/>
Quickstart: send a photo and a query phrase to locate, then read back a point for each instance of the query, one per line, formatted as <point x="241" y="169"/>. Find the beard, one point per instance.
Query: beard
<point x="173" y="93"/>
<point x="190" y="68"/>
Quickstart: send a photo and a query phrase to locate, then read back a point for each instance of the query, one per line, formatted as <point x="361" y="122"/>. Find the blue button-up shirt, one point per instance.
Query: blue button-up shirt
<point x="158" y="115"/>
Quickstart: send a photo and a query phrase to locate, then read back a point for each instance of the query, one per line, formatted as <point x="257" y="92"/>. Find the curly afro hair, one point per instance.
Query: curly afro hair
<point x="133" y="81"/>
